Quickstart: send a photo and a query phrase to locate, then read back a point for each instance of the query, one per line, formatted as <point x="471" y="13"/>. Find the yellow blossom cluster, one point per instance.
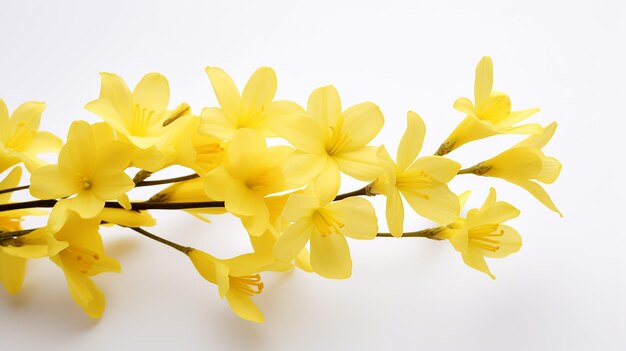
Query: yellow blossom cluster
<point x="275" y="165"/>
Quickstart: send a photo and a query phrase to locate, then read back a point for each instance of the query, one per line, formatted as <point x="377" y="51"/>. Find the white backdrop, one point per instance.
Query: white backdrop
<point x="564" y="290"/>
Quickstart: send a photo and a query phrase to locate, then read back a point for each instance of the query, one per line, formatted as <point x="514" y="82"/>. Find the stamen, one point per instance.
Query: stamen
<point x="327" y="224"/>
<point x="248" y="284"/>
<point x="483" y="237"/>
<point x="338" y="138"/>
<point x="81" y="258"/>
<point x="142" y="121"/>
<point x="85" y="183"/>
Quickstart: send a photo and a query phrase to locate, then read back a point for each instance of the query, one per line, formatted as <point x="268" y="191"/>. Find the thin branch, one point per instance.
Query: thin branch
<point x="183" y="249"/>
<point x="10" y="190"/>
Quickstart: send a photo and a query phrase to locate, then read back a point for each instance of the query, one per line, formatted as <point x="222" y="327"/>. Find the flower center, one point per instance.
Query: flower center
<point x="486" y="237"/>
<point x="81" y="258"/>
<point x="338" y="139"/>
<point x="248" y="284"/>
<point x="142" y="121"/>
<point x="326" y="224"/>
<point x="85" y="183"/>
<point x="415" y="180"/>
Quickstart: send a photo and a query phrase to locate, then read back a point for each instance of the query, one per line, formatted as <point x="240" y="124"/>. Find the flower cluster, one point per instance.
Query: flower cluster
<point x="274" y="165"/>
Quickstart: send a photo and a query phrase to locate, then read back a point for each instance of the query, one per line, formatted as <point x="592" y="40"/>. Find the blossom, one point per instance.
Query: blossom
<point x="20" y="141"/>
<point x="482" y="233"/>
<point x="141" y="117"/>
<point x="523" y="165"/>
<point x="422" y="181"/>
<point x="250" y="171"/>
<point x="90" y="166"/>
<point x="490" y="114"/>
<point x="14" y="251"/>
<point x="330" y="140"/>
<point x="325" y="225"/>
<point x="237" y="279"/>
<point x="82" y="259"/>
<point x="246" y="110"/>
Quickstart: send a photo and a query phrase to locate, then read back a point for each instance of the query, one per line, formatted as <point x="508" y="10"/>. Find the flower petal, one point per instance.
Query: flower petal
<point x="510" y="242"/>
<point x="484" y="82"/>
<point x="293" y="240"/>
<point x="226" y="92"/>
<point x="53" y="181"/>
<point x="327" y="182"/>
<point x="259" y="90"/>
<point x="330" y="256"/>
<point x="152" y="92"/>
<point x="474" y="258"/>
<point x="324" y="104"/>
<point x="114" y="89"/>
<point x="361" y="123"/>
<point x="362" y="164"/>
<point x="440" y="168"/>
<point x="243" y="306"/>
<point x="438" y="203"/>
<point x="412" y="140"/>
<point x="357" y="216"/>
<point x="12" y="270"/>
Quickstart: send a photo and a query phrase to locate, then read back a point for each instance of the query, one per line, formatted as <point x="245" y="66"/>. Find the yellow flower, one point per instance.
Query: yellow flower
<point x="490" y="115"/>
<point x="524" y="163"/>
<point x="250" y="172"/>
<point x="482" y="233"/>
<point x="139" y="117"/>
<point x="326" y="225"/>
<point x="329" y="140"/>
<point x="202" y="153"/>
<point x="19" y="139"/>
<point x="15" y="250"/>
<point x="246" y="110"/>
<point x="82" y="259"/>
<point x="422" y="181"/>
<point x="237" y="279"/>
<point x="88" y="168"/>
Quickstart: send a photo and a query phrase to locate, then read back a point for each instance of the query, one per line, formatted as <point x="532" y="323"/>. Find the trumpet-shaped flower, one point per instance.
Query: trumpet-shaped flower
<point x="330" y="140"/>
<point x="482" y="233"/>
<point x="19" y="139"/>
<point x="141" y="116"/>
<point x="422" y="181"/>
<point x="14" y="251"/>
<point x="325" y="225"/>
<point x="237" y="279"/>
<point x="490" y="114"/>
<point x="236" y="111"/>
<point x="82" y="259"/>
<point x="249" y="173"/>
<point x="524" y="163"/>
<point x="89" y="168"/>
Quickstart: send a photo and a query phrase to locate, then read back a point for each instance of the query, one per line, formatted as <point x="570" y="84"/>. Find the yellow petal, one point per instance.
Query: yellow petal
<point x="516" y="117"/>
<point x="440" y="168"/>
<point x="226" y="92"/>
<point x="301" y="168"/>
<point x="12" y="271"/>
<point x="241" y="200"/>
<point x="25" y="119"/>
<point x="124" y="201"/>
<point x="515" y="163"/>
<point x="470" y="129"/>
<point x="510" y="242"/>
<point x="216" y="183"/>
<point x="259" y="90"/>
<point x="550" y="170"/>
<point x="324" y="104"/>
<point x="243" y="306"/>
<point x="465" y="105"/>
<point x="108" y="112"/>
<point x="216" y="124"/>
<point x="86" y="203"/>
<point x="79" y="156"/>
<point x="484" y="82"/>
<point x="303" y="132"/>
<point x="299" y="206"/>
<point x="4" y="122"/>
<point x="127" y="218"/>
<point x="330" y="256"/>
<point x="394" y="213"/>
<point x="438" y="203"/>
<point x="54" y="181"/>
<point x="245" y="152"/>
<point x="110" y="183"/>
<point x="257" y="225"/>
<point x="361" y="123"/>
<point x="412" y="140"/>
<point x="44" y="142"/>
<point x="538" y="192"/>
<point x="474" y="259"/>
<point x="362" y="164"/>
<point x="293" y="240"/>
<point x="204" y="264"/>
<point x="463" y="197"/>
<point x="84" y="292"/>
<point x="114" y="89"/>
<point x="327" y="182"/>
<point x="538" y="141"/>
<point x="152" y="92"/>
<point x="357" y="216"/>
<point x="10" y="181"/>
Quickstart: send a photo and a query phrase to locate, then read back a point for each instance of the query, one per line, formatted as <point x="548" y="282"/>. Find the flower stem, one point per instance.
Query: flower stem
<point x="183" y="249"/>
<point x="12" y="235"/>
<point x="366" y="191"/>
<point x="166" y="181"/>
<point x="10" y="190"/>
<point x="430" y="233"/>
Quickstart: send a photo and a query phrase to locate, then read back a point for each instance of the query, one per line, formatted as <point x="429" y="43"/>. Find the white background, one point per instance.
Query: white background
<point x="564" y="290"/>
